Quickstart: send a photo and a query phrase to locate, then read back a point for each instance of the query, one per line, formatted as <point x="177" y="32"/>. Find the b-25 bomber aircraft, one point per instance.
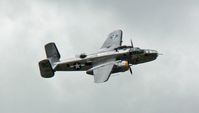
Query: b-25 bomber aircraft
<point x="113" y="57"/>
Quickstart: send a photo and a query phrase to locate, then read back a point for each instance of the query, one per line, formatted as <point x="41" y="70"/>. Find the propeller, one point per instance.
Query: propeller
<point x="132" y="43"/>
<point x="130" y="70"/>
<point x="130" y="57"/>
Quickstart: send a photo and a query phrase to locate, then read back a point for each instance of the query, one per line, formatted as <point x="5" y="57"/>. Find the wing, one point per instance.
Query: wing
<point x="114" y="40"/>
<point x="102" y="70"/>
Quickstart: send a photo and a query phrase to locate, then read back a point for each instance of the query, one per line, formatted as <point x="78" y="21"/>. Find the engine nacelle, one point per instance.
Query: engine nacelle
<point x="121" y="66"/>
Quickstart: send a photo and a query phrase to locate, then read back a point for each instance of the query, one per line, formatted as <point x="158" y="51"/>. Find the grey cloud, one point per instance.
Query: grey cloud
<point x="168" y="84"/>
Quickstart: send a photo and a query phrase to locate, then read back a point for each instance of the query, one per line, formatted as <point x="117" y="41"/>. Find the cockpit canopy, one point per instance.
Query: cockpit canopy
<point x="136" y="50"/>
<point x="150" y="51"/>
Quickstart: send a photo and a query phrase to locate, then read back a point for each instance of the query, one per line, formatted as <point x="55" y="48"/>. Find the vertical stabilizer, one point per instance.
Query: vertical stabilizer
<point x="52" y="52"/>
<point x="46" y="66"/>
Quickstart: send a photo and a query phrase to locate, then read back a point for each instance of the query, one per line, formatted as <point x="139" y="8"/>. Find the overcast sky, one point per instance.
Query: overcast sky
<point x="166" y="85"/>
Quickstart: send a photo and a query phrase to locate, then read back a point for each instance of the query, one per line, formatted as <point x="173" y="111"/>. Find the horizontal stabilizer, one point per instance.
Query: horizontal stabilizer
<point x="46" y="69"/>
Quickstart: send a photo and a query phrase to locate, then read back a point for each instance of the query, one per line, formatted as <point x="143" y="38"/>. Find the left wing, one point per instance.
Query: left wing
<point x="102" y="70"/>
<point x="113" y="41"/>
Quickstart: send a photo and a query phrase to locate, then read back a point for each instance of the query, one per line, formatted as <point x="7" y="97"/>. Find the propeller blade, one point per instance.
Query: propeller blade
<point x="130" y="70"/>
<point x="132" y="43"/>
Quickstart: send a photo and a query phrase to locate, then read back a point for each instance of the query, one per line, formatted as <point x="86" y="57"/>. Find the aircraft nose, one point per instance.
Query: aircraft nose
<point x="154" y="53"/>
